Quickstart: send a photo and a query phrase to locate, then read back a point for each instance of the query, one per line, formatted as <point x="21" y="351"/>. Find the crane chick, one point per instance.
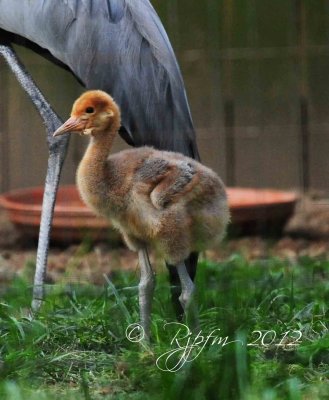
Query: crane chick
<point x="155" y="198"/>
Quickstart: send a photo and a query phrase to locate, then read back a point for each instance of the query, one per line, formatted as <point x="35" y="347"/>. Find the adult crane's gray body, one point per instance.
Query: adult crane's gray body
<point x="119" y="46"/>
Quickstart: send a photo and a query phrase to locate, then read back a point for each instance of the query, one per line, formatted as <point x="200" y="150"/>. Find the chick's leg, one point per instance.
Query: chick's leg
<point x="146" y="290"/>
<point x="187" y="299"/>
<point x="175" y="283"/>
<point x="187" y="284"/>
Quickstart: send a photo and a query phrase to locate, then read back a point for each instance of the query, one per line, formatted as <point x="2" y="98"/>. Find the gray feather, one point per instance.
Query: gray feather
<point x="119" y="46"/>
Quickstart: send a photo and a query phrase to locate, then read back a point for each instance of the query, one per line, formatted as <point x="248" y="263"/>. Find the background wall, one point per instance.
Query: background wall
<point x="257" y="79"/>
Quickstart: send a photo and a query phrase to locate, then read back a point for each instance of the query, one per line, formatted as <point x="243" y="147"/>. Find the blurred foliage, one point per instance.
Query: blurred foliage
<point x="77" y="346"/>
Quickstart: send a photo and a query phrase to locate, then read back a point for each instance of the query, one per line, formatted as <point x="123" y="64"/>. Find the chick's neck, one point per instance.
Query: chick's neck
<point x="93" y="167"/>
<point x="101" y="142"/>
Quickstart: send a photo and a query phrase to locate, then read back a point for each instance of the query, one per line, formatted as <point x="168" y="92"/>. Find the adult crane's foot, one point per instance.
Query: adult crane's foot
<point x="36" y="305"/>
<point x="146" y="290"/>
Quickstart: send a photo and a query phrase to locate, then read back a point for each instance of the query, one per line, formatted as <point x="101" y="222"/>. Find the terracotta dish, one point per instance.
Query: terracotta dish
<point x="73" y="220"/>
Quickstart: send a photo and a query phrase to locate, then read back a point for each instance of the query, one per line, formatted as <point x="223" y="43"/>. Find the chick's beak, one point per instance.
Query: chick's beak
<point x="73" y="124"/>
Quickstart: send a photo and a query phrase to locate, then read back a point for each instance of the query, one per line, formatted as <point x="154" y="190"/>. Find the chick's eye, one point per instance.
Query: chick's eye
<point x="89" y="110"/>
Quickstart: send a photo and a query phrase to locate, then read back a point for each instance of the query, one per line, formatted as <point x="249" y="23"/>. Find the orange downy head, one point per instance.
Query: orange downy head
<point x="93" y="112"/>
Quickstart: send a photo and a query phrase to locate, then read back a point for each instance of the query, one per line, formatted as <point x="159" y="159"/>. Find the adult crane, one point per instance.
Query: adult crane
<point x="121" y="47"/>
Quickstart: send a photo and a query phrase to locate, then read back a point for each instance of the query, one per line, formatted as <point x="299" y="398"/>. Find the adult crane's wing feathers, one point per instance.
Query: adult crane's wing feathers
<point x="116" y="10"/>
<point x="119" y="46"/>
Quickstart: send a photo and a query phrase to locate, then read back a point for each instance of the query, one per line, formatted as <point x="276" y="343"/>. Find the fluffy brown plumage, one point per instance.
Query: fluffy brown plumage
<point x="155" y="198"/>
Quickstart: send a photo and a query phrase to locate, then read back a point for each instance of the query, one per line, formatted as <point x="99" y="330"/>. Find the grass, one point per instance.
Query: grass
<point x="270" y="338"/>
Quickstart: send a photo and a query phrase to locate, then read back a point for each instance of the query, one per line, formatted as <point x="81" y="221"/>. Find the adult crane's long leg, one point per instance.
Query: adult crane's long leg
<point x="57" y="153"/>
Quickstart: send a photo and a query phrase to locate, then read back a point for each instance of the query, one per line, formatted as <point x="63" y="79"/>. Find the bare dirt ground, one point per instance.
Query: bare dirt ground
<point x="82" y="263"/>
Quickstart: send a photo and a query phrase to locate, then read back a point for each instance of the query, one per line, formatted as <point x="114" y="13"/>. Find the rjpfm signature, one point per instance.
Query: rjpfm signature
<point x="188" y="346"/>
